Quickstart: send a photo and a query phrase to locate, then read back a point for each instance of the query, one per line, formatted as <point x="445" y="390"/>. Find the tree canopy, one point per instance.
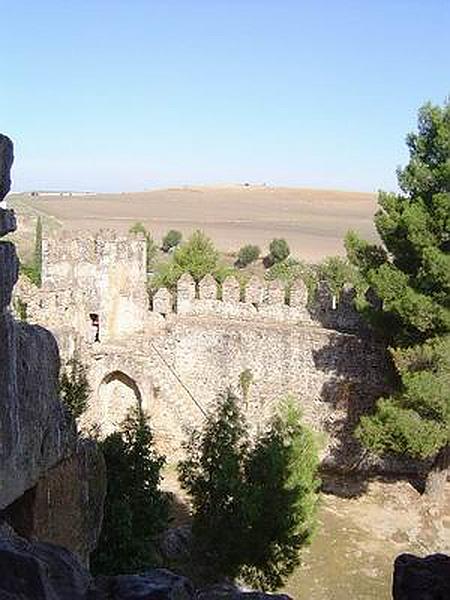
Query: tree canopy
<point x="254" y="505"/>
<point x="409" y="277"/>
<point x="135" y="510"/>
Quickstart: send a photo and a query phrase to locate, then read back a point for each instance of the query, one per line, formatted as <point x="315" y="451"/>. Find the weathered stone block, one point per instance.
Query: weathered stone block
<point x="231" y="290"/>
<point x="66" y="505"/>
<point x="35" y="432"/>
<point x="254" y="291"/>
<point x="163" y="302"/>
<point x="208" y="288"/>
<point x="38" y="571"/>
<point x="275" y="292"/>
<point x="185" y="291"/>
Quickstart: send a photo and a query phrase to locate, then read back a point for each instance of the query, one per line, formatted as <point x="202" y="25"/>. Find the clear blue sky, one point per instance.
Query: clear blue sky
<point x="132" y="94"/>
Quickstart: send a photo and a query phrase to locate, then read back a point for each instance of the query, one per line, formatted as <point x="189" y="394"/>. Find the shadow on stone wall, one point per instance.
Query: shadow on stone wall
<point x="352" y="390"/>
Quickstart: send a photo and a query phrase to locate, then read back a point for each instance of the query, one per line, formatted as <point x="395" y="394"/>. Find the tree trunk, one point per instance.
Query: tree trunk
<point x="437" y="477"/>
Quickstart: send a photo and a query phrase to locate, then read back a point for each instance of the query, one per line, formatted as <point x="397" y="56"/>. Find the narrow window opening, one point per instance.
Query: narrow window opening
<point x="95" y="321"/>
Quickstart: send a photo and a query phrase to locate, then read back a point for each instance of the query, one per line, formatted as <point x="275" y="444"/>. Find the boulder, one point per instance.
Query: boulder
<point x="158" y="584"/>
<point x="421" y="578"/>
<point x="66" y="505"/>
<point x="39" y="571"/>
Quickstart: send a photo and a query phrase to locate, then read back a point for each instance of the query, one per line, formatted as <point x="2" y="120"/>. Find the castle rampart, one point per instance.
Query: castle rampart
<point x="176" y="353"/>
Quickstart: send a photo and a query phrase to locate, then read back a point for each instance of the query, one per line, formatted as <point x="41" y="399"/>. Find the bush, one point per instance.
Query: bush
<point x="254" y="508"/>
<point x="74" y="387"/>
<point x="247" y="254"/>
<point x="135" y="508"/>
<point x="197" y="256"/>
<point x="278" y="251"/>
<point x="171" y="240"/>
<point x="212" y="475"/>
<point x="282" y="494"/>
<point x="21" y="308"/>
<point x="138" y="228"/>
<point x="336" y="272"/>
<point x="290" y="270"/>
<point x="33" y="269"/>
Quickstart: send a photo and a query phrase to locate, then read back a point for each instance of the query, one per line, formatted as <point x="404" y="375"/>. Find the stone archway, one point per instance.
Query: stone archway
<point x="118" y="393"/>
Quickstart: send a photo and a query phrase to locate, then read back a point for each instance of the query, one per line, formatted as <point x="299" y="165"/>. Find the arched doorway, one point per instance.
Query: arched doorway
<point x="117" y="394"/>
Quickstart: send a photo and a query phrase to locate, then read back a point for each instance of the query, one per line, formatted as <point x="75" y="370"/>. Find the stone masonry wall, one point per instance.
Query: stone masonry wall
<point x="193" y="344"/>
<point x="177" y="373"/>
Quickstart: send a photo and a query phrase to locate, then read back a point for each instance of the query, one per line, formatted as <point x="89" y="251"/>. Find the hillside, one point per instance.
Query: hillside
<point x="312" y="221"/>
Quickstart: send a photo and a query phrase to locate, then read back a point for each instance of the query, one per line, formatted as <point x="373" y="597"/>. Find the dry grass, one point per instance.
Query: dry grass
<point x="312" y="221"/>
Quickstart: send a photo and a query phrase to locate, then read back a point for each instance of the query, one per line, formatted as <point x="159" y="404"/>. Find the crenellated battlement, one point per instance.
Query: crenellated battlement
<point x="259" y="300"/>
<point x="98" y="284"/>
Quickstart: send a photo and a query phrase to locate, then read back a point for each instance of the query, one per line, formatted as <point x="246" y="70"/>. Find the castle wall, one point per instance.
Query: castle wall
<point x="192" y="344"/>
<point x="181" y="369"/>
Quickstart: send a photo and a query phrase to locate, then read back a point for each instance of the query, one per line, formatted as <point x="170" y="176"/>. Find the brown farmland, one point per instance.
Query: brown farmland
<point x="312" y="221"/>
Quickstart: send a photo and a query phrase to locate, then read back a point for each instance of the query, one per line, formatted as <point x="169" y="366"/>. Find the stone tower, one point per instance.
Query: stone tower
<point x="105" y="275"/>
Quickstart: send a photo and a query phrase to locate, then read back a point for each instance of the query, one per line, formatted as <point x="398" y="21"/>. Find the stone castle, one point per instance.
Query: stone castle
<point x="175" y="354"/>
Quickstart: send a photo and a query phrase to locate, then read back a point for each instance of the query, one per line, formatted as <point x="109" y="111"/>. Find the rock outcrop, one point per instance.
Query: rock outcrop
<point x="421" y="578"/>
<point x="47" y="477"/>
<point x="41" y="571"/>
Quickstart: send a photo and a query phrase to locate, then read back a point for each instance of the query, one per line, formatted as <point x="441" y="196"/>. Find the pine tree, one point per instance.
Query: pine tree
<point x="74" y="387"/>
<point x="409" y="277"/>
<point x="254" y="506"/>
<point x="282" y="497"/>
<point x="136" y="510"/>
<point x="212" y="475"/>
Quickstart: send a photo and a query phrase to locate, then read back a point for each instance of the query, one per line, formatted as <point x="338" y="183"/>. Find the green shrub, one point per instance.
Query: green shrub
<point x="409" y="277"/>
<point x="33" y="269"/>
<point x="336" y="272"/>
<point x="197" y="256"/>
<point x="171" y="240"/>
<point x="247" y="254"/>
<point x="212" y="475"/>
<point x="138" y="228"/>
<point x="74" y="387"/>
<point x="21" y="308"/>
<point x="282" y="497"/>
<point x="278" y="251"/>
<point x="254" y="507"/>
<point x="135" y="510"/>
<point x="245" y="381"/>
<point x="290" y="270"/>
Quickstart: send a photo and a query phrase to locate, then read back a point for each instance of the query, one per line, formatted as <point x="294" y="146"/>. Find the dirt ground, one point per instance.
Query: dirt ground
<point x="312" y="221"/>
<point x="357" y="539"/>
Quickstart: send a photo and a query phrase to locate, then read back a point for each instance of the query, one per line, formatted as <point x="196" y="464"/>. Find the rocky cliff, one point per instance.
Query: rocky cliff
<point x="51" y="483"/>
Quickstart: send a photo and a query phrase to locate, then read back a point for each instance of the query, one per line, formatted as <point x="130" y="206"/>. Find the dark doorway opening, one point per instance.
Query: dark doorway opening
<point x="95" y="321"/>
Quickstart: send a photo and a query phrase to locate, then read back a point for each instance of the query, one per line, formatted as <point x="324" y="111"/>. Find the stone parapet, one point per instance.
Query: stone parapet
<point x="260" y="300"/>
